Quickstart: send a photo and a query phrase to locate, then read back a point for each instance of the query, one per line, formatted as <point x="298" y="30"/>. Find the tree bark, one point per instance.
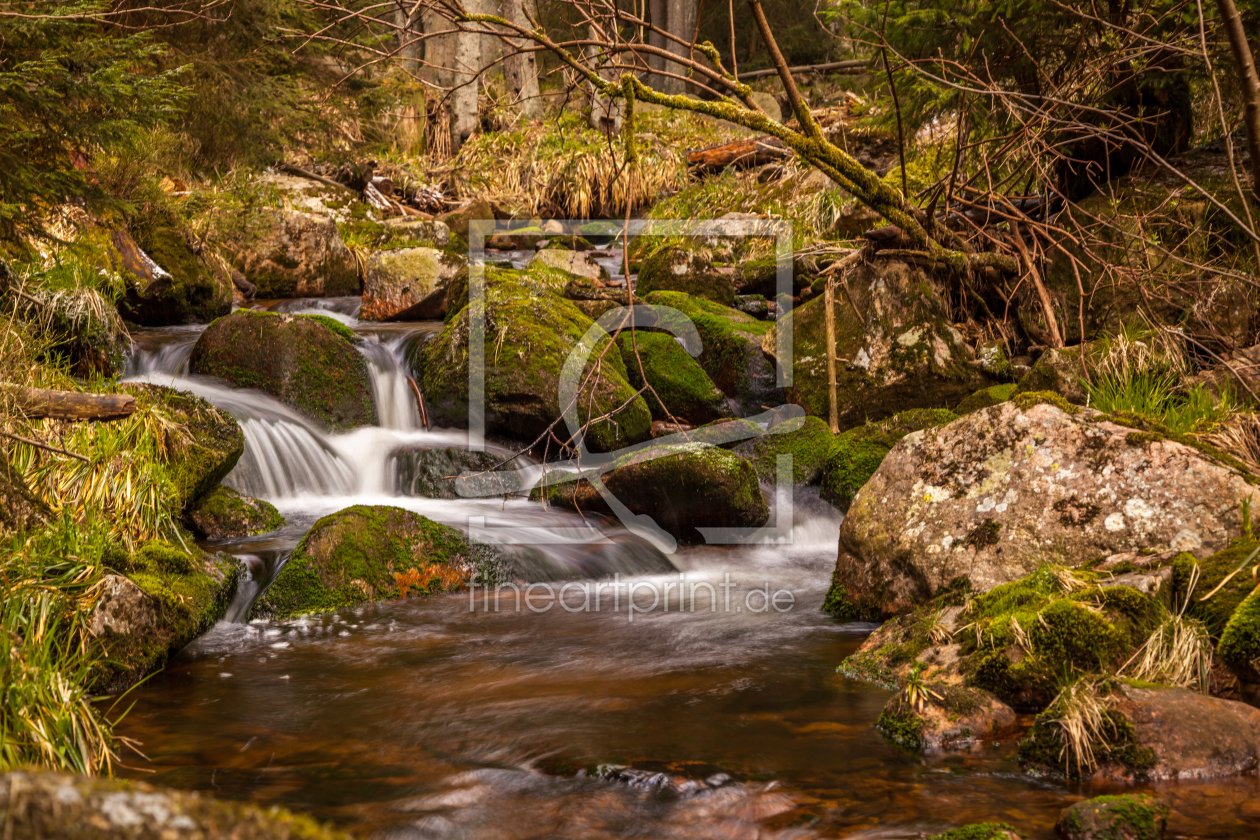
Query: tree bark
<point x="606" y="113"/>
<point x="466" y="68"/>
<point x="72" y="405"/>
<point x="408" y="23"/>
<point x="1249" y="81"/>
<point x="658" y="16"/>
<point x="521" y="70"/>
<point x="682" y="24"/>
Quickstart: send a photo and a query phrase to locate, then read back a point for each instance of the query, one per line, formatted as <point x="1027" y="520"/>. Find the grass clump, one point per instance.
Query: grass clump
<point x="1155" y="396"/>
<point x="1080" y="731"/>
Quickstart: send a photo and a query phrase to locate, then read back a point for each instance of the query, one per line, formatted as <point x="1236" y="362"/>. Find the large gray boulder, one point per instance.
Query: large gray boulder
<point x="293" y="254"/>
<point x="993" y="495"/>
<point x="407" y="284"/>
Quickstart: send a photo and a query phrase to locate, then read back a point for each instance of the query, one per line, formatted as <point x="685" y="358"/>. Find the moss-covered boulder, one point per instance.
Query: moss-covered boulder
<point x="731" y="352"/>
<point x="45" y="804"/>
<point x="951" y="717"/>
<point x="163" y="597"/>
<point x="1231" y="611"/>
<point x="858" y="452"/>
<point x="293" y="254"/>
<point x="308" y="362"/>
<point x="168" y="282"/>
<point x="203" y="443"/>
<point x="439" y="473"/>
<point x="895" y="348"/>
<point x="1059" y="371"/>
<point x="408" y="284"/>
<point x="990" y="495"/>
<point x="807" y="439"/>
<point x="223" y="513"/>
<point x="985" y="397"/>
<point x="683" y="488"/>
<point x="689" y="270"/>
<point x="1021" y="639"/>
<point x="680" y="387"/>
<point x="364" y="554"/>
<point x="1153" y="733"/>
<point x="1130" y="816"/>
<point x="530" y="332"/>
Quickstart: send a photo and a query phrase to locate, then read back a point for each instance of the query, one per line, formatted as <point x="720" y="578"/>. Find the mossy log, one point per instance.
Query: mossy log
<point x="72" y="405"/>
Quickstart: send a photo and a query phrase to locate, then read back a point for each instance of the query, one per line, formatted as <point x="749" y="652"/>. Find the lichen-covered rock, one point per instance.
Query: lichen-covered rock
<point x="207" y="442"/>
<point x="167" y="598"/>
<point x="36" y="805"/>
<point x="1160" y="733"/>
<point x="1132" y="816"/>
<point x="168" y="282"/>
<point x="690" y="486"/>
<point x="895" y="348"/>
<point x="732" y="351"/>
<point x="306" y="361"/>
<point x="989" y="495"/>
<point x="432" y="473"/>
<point x="953" y="717"/>
<point x="295" y="254"/>
<point x="223" y="513"/>
<point x="688" y="270"/>
<point x="858" y="452"/>
<point x="530" y="332"/>
<point x="407" y="284"/>
<point x="680" y="387"/>
<point x="807" y="439"/>
<point x="570" y="262"/>
<point x="363" y="554"/>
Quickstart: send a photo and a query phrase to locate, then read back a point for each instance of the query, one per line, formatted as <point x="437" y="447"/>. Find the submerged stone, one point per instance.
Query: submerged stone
<point x="1134" y="816"/>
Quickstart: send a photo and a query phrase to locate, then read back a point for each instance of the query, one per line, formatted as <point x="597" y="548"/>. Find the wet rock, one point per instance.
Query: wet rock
<point x="305" y="361"/>
<point x="530" y="332"/>
<point x="364" y="554"/>
<point x="954" y="717"/>
<point x="436" y="473"/>
<point x="858" y="452"/>
<point x="570" y="262"/>
<point x="207" y="446"/>
<point x="1126" y="817"/>
<point x="731" y="352"/>
<point x="680" y="387"/>
<point x="168" y="597"/>
<point x="895" y="346"/>
<point x="688" y="270"/>
<point x="408" y="284"/>
<point x="683" y="488"/>
<point x="169" y="282"/>
<point x="223" y="513"/>
<point x="296" y="254"/>
<point x="807" y="439"/>
<point x="985" y="496"/>
<point x="45" y="804"/>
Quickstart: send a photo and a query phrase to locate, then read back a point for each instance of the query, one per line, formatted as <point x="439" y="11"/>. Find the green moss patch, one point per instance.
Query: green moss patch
<point x="981" y="831"/>
<point x="1133" y="816"/>
<point x="809" y="445"/>
<point x="857" y="453"/>
<point x="224" y="513"/>
<point x="985" y="397"/>
<point x="1208" y="576"/>
<point x="678" y="269"/>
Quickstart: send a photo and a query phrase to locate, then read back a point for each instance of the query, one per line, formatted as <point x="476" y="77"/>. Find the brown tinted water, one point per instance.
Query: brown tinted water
<point x="425" y="719"/>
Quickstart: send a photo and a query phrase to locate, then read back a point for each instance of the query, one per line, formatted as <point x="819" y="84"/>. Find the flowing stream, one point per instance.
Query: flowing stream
<point x="709" y="709"/>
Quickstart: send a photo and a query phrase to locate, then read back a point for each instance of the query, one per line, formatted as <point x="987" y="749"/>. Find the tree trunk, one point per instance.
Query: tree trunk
<point x="521" y="71"/>
<point x="606" y="114"/>
<point x="408" y="24"/>
<point x="658" y="16"/>
<point x="466" y="69"/>
<point x="682" y="24"/>
<point x="1245" y="66"/>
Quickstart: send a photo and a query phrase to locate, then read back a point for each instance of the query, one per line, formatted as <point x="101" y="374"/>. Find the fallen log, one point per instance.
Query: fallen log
<point x="749" y="152"/>
<point x="72" y="405"/>
<point x="852" y="66"/>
